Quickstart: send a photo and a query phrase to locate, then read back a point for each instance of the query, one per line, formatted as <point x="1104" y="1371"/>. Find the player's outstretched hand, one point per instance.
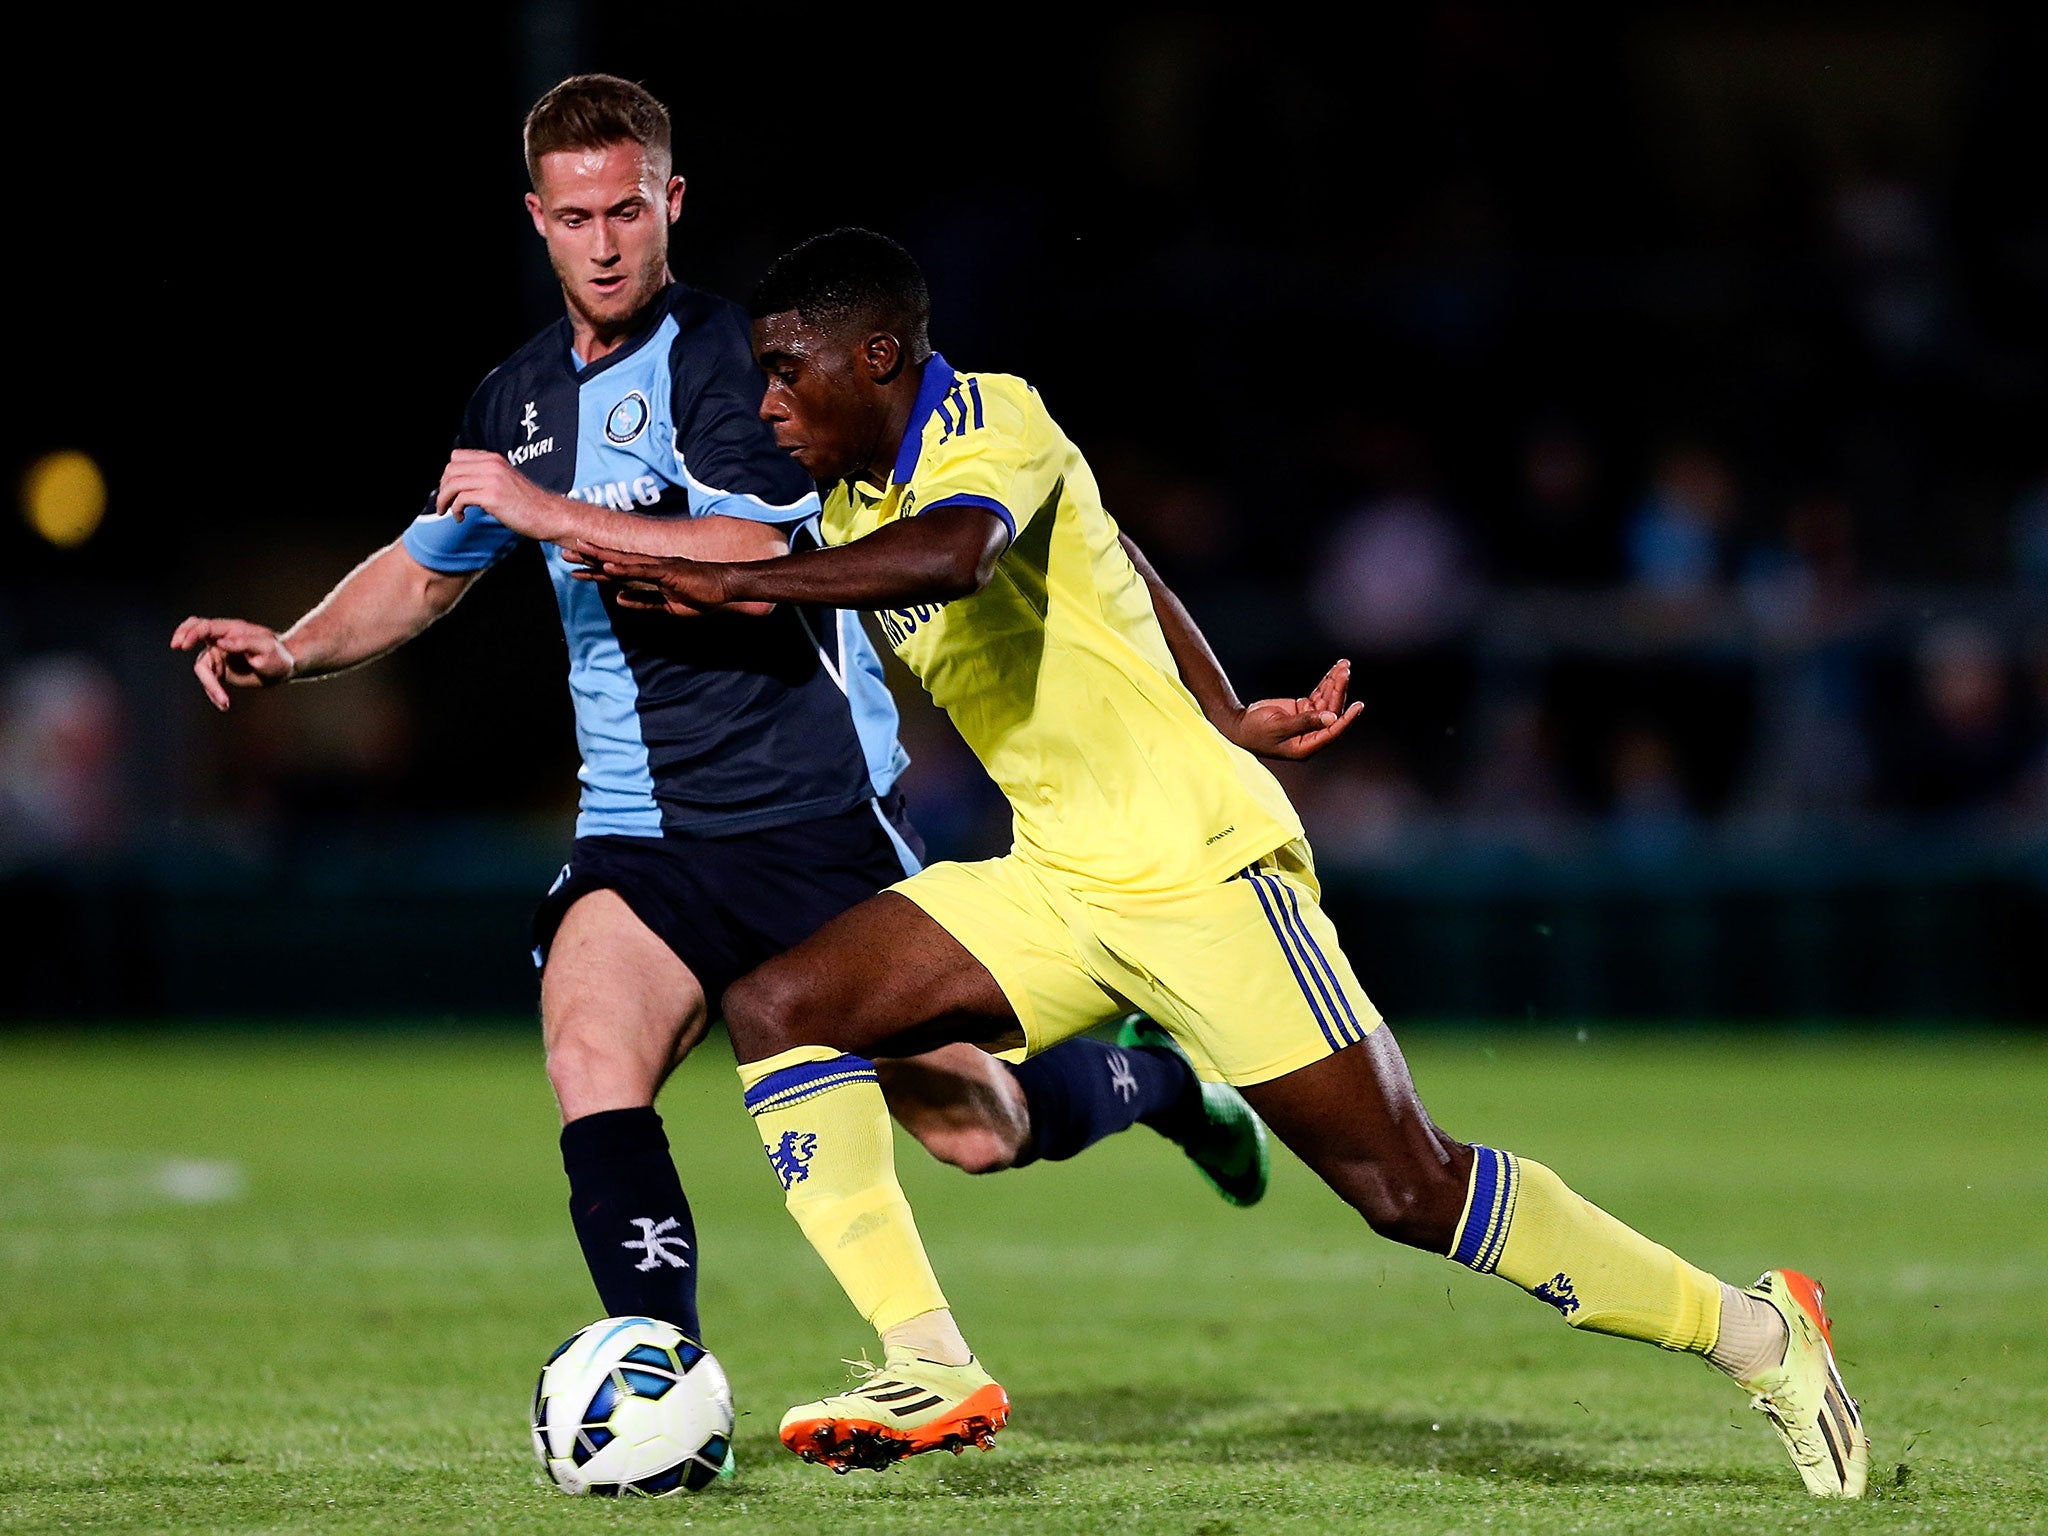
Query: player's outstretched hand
<point x="233" y="653"/>
<point x="474" y="478"/>
<point x="1298" y="728"/>
<point x="651" y="583"/>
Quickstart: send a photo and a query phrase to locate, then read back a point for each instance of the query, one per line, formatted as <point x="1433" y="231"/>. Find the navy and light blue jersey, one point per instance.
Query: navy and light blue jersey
<point x="701" y="726"/>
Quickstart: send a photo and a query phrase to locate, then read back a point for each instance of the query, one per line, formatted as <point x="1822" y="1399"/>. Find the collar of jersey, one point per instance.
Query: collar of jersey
<point x="657" y="311"/>
<point x="938" y="383"/>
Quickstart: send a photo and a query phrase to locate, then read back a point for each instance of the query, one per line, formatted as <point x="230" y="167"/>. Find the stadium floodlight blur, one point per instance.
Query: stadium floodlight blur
<point x="1674" y="480"/>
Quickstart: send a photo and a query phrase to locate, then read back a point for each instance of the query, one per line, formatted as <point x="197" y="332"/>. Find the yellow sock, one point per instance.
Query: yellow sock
<point x="827" y="1131"/>
<point x="1522" y="1223"/>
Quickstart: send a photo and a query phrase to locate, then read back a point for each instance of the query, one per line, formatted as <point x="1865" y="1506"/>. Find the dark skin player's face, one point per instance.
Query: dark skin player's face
<point x="828" y="397"/>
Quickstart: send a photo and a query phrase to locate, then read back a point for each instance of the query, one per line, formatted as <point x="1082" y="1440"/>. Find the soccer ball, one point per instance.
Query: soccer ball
<point x="630" y="1406"/>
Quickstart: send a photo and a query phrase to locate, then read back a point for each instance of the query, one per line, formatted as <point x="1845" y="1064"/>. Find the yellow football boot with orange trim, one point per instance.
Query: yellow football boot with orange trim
<point x="903" y="1407"/>
<point x="1803" y="1396"/>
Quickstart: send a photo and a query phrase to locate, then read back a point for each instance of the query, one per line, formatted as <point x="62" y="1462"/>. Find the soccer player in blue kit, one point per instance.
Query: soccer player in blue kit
<point x="738" y="773"/>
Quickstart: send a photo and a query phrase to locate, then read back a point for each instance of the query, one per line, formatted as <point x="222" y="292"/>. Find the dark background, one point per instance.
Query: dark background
<point x="1650" y="402"/>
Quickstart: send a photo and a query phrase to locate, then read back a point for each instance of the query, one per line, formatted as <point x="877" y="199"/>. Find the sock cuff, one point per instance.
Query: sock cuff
<point x="1489" y="1209"/>
<point x="751" y="1072"/>
<point x="794" y="1076"/>
<point x="613" y="1133"/>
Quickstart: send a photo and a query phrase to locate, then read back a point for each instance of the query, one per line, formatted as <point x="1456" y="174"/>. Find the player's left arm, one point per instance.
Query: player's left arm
<point x="943" y="553"/>
<point x="1282" y="728"/>
<point x="474" y="478"/>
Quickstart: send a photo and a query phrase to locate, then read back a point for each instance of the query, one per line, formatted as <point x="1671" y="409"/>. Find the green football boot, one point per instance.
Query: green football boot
<point x="1228" y="1147"/>
<point x="1803" y="1396"/>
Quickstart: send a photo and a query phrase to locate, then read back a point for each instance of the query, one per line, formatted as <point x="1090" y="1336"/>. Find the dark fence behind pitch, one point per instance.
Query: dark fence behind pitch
<point x="432" y="923"/>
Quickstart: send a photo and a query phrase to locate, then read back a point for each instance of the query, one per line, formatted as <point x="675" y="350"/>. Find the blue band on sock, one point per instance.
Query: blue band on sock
<point x="1496" y="1181"/>
<point x="806" y="1080"/>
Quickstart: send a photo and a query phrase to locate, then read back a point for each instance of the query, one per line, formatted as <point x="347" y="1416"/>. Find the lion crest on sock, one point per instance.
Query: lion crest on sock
<point x="1558" y="1292"/>
<point x="791" y="1156"/>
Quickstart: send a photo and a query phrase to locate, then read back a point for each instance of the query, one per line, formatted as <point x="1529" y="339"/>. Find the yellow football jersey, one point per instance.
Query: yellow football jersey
<point x="1056" y="673"/>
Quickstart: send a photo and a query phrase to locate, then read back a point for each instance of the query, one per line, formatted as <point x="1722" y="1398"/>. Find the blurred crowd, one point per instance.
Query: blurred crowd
<point x="1586" y="669"/>
<point x="1709" y="665"/>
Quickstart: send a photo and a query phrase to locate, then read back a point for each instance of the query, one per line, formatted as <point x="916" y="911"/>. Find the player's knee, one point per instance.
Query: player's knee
<point x="766" y="1012"/>
<point x="583" y="1067"/>
<point x="571" y="1064"/>
<point x="974" y="1149"/>
<point x="1395" y="1213"/>
<point x="1414" y="1205"/>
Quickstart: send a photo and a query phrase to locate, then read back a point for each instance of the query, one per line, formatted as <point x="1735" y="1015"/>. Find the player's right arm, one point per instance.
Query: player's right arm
<point x="377" y="607"/>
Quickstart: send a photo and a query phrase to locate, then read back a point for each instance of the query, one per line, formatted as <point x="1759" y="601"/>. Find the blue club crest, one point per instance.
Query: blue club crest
<point x="628" y="419"/>
<point x="791" y="1157"/>
<point x="1557" y="1291"/>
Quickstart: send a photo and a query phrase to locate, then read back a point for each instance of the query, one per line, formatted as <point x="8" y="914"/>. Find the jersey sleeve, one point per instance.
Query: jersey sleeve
<point x="725" y="454"/>
<point x="993" y="453"/>
<point x="479" y="540"/>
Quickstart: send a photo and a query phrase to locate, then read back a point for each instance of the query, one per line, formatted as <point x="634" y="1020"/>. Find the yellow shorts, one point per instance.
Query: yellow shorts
<point x="1247" y="975"/>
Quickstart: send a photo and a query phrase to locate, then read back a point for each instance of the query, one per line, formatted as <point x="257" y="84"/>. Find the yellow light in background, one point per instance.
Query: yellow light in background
<point x="64" y="496"/>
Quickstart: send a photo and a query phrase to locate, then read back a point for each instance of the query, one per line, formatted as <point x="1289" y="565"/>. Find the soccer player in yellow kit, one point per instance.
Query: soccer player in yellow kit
<point x="1156" y="866"/>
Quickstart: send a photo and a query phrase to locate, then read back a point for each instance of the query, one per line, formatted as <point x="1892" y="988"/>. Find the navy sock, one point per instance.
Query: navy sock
<point x="631" y="1218"/>
<point x="1083" y="1090"/>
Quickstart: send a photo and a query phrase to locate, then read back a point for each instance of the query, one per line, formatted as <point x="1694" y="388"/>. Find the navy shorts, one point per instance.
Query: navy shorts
<point x="725" y="904"/>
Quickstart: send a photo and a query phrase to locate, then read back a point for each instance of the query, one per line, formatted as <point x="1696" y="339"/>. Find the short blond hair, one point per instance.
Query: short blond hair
<point x="591" y="111"/>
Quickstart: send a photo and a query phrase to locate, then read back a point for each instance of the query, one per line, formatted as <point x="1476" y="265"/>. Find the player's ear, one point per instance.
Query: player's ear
<point x="882" y="355"/>
<point x="534" y="211"/>
<point x="675" y="198"/>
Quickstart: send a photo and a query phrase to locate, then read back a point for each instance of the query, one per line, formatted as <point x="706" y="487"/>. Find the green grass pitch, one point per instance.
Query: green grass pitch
<point x="277" y="1281"/>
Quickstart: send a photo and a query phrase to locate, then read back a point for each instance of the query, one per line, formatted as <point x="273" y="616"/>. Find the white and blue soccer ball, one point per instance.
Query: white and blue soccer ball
<point x="629" y="1406"/>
